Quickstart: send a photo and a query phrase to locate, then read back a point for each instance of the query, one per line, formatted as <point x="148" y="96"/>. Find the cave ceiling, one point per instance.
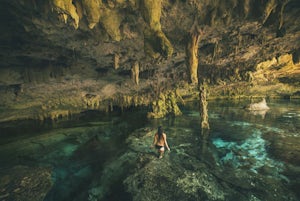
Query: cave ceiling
<point x="67" y="33"/>
<point x="104" y="39"/>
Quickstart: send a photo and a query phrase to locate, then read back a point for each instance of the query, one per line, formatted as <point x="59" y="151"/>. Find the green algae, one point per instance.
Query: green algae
<point x="166" y="104"/>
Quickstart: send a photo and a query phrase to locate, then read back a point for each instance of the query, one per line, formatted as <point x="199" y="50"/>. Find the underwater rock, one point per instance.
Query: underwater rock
<point x="111" y="175"/>
<point x="22" y="183"/>
<point x="182" y="176"/>
<point x="262" y="105"/>
<point x="285" y="147"/>
<point x="175" y="177"/>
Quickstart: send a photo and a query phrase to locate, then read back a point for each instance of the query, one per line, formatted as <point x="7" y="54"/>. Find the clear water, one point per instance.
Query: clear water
<point x="80" y="151"/>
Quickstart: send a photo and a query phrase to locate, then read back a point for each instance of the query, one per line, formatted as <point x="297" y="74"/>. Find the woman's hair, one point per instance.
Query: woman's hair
<point x="160" y="132"/>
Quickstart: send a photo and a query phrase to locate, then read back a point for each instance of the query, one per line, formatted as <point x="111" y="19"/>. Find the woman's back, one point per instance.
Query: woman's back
<point x="160" y="140"/>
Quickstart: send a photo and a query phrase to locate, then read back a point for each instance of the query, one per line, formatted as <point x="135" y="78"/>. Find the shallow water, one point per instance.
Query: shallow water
<point x="80" y="151"/>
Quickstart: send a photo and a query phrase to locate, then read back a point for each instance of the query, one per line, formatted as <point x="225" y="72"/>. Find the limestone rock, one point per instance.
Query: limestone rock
<point x="66" y="8"/>
<point x="22" y="183"/>
<point x="248" y="48"/>
<point x="92" y="11"/>
<point x="262" y="105"/>
<point x="165" y="105"/>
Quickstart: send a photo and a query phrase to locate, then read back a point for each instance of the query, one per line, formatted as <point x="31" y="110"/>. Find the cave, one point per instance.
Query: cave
<point x="69" y="60"/>
<point x="96" y="44"/>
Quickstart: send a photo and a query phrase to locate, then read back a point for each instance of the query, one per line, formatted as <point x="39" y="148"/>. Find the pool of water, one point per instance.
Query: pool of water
<point x="86" y="158"/>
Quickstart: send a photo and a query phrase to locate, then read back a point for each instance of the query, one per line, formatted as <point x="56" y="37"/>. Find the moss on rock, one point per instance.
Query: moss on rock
<point x="165" y="105"/>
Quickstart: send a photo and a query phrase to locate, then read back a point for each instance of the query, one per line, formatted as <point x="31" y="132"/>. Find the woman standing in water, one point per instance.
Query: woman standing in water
<point x="160" y="141"/>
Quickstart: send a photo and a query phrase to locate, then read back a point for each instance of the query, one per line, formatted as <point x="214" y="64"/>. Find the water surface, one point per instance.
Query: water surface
<point x="82" y="154"/>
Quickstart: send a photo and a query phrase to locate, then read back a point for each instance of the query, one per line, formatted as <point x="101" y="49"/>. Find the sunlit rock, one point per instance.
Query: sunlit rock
<point x="116" y="61"/>
<point x="165" y="105"/>
<point x="92" y="11"/>
<point x="285" y="60"/>
<point x="156" y="42"/>
<point x="262" y="105"/>
<point x="192" y="53"/>
<point x="266" y="64"/>
<point x="281" y="61"/>
<point x="67" y="8"/>
<point x="111" y="21"/>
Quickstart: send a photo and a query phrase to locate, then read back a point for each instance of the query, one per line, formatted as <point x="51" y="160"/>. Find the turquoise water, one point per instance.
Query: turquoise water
<point x="90" y="157"/>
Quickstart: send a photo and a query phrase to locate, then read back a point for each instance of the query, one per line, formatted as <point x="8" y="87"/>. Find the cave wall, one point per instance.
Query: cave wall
<point x="91" y="47"/>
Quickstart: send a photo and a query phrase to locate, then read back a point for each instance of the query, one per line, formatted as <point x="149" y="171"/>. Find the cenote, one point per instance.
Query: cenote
<point x="97" y="156"/>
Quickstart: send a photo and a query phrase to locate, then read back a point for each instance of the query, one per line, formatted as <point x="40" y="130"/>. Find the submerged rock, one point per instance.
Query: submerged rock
<point x="182" y="175"/>
<point x="23" y="183"/>
<point x="178" y="176"/>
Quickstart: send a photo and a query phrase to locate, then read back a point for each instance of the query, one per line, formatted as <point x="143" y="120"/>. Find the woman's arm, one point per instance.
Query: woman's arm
<point x="166" y="143"/>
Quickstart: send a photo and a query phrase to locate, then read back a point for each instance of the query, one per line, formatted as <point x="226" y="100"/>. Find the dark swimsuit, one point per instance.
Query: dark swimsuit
<point x="158" y="147"/>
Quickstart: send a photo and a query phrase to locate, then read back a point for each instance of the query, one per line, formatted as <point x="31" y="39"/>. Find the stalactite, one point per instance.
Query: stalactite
<point x="116" y="61"/>
<point x="135" y="73"/>
<point x="215" y="50"/>
<point x="92" y="101"/>
<point x="270" y="7"/>
<point x="203" y="106"/>
<point x="66" y="8"/>
<point x="92" y="11"/>
<point x="240" y="38"/>
<point x="247" y="7"/>
<point x="79" y="9"/>
<point x="156" y="42"/>
<point x="281" y="15"/>
<point x="192" y="53"/>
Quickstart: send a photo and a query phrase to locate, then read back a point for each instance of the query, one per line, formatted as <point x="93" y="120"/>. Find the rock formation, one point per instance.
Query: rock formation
<point x="26" y="183"/>
<point x="135" y="71"/>
<point x="262" y="105"/>
<point x="192" y="54"/>
<point x="61" y="50"/>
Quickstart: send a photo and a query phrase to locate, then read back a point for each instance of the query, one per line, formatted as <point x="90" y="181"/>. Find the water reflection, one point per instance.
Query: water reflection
<point x="245" y="156"/>
<point x="261" y="113"/>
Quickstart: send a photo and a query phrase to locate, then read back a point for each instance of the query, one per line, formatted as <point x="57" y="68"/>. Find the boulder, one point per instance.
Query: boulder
<point x="262" y="105"/>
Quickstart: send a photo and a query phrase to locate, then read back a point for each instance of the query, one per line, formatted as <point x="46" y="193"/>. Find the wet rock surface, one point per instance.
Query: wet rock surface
<point x="183" y="174"/>
<point x="22" y="183"/>
<point x="244" y="157"/>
